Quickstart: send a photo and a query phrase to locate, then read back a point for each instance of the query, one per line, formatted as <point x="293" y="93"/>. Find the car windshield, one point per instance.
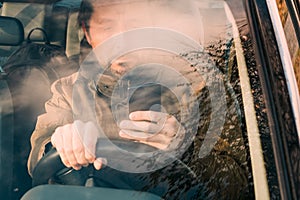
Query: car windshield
<point x="187" y="68"/>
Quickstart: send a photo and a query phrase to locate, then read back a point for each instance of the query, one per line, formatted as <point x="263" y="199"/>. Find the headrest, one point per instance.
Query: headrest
<point x="31" y="16"/>
<point x="11" y="31"/>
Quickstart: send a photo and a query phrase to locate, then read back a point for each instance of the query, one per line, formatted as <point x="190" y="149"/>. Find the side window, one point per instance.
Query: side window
<point x="291" y="36"/>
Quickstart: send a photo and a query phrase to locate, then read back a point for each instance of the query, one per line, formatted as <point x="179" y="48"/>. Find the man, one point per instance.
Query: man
<point x="75" y="136"/>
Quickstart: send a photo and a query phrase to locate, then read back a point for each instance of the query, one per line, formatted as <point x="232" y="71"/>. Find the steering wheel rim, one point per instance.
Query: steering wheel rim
<point x="50" y="164"/>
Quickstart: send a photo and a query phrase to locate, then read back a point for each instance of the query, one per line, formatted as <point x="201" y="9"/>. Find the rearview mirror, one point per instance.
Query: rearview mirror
<point x="11" y="31"/>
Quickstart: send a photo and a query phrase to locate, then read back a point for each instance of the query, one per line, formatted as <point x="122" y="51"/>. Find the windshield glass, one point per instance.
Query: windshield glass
<point x="167" y="77"/>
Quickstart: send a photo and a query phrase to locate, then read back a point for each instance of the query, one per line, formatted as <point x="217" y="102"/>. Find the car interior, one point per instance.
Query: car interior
<point x="17" y="20"/>
<point x="57" y="23"/>
<point x="57" y="20"/>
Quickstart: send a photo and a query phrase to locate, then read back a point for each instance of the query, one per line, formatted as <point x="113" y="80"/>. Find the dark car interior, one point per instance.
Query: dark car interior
<point x="58" y="22"/>
<point x="24" y="91"/>
<point x="20" y="86"/>
<point x="21" y="89"/>
<point x="57" y="25"/>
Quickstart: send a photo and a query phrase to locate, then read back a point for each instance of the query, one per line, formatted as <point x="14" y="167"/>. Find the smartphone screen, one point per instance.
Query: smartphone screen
<point x="146" y="97"/>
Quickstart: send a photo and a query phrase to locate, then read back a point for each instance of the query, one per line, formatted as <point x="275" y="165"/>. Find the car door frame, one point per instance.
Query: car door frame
<point x="284" y="152"/>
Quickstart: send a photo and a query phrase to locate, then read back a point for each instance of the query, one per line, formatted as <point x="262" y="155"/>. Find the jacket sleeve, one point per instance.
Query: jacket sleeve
<point x="58" y="113"/>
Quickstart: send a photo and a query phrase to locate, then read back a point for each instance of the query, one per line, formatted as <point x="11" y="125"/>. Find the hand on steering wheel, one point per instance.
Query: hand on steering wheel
<point x="53" y="162"/>
<point x="76" y="144"/>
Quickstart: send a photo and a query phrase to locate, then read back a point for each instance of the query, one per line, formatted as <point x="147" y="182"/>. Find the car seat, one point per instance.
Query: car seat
<point x="19" y="123"/>
<point x="30" y="15"/>
<point x="17" y="144"/>
<point x="12" y="35"/>
<point x="66" y="12"/>
<point x="58" y="19"/>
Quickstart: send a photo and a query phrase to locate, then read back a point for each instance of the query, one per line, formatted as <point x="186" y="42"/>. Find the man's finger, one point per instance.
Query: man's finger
<point x="142" y="126"/>
<point x="78" y="148"/>
<point x="68" y="147"/>
<point x="63" y="157"/>
<point x="152" y="116"/>
<point x="90" y="140"/>
<point x="99" y="162"/>
<point x="57" y="142"/>
<point x="158" y="141"/>
<point x="135" y="135"/>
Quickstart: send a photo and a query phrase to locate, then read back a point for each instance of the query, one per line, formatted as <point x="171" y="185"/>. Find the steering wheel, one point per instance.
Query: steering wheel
<point x="50" y="165"/>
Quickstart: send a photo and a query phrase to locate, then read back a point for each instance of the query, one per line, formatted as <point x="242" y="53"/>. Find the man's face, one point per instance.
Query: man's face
<point x="110" y="20"/>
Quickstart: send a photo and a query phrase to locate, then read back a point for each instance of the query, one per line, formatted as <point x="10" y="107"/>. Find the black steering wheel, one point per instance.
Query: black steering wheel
<point x="51" y="165"/>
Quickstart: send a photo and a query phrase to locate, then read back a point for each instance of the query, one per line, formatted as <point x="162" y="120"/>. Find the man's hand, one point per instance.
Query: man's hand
<point x="76" y="144"/>
<point x="153" y="128"/>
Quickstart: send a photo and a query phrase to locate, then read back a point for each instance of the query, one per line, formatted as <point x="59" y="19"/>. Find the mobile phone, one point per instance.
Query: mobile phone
<point x="145" y="97"/>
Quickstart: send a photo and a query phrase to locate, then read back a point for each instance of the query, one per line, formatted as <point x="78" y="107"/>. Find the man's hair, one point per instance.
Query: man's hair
<point x="87" y="8"/>
<point x="85" y="13"/>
